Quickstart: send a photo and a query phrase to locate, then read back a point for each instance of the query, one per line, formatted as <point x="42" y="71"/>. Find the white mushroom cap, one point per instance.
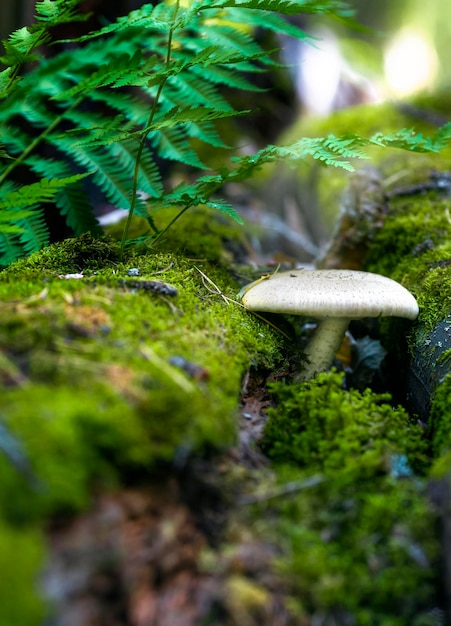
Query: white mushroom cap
<point x="331" y="293"/>
<point x="337" y="296"/>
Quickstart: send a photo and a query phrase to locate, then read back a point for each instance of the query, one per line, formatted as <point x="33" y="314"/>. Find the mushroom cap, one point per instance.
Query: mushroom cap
<point x="331" y="293"/>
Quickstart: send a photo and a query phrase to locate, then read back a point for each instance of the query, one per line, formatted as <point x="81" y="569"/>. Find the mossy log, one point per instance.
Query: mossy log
<point x="119" y="422"/>
<point x="119" y="383"/>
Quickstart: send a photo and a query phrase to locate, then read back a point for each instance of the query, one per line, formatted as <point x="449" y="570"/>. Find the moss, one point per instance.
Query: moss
<point x="201" y="234"/>
<point x="79" y="254"/>
<point x="358" y="553"/>
<point x="108" y="378"/>
<point x="440" y="423"/>
<point x="358" y="546"/>
<point x="21" y="552"/>
<point x="414" y="248"/>
<point x="324" y="427"/>
<point x="93" y="355"/>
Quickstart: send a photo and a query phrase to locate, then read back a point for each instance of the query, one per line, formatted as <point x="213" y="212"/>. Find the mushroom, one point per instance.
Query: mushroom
<point x="334" y="296"/>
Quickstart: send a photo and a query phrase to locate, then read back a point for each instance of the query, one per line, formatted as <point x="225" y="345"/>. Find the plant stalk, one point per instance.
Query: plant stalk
<point x="143" y="139"/>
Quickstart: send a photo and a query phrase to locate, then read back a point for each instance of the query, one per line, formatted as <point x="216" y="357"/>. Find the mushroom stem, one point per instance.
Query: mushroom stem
<point x="323" y="346"/>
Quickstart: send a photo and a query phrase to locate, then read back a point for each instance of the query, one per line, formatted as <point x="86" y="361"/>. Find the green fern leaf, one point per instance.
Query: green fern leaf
<point x="3" y="153"/>
<point x="191" y="114"/>
<point x="268" y="21"/>
<point x="54" y="12"/>
<point x="198" y="93"/>
<point x="409" y="139"/>
<point x="8" y="81"/>
<point x="112" y="170"/>
<point x="226" y="208"/>
<point x="10" y="249"/>
<point x="147" y="17"/>
<point x="71" y="200"/>
<point x="221" y="75"/>
<point x="74" y="205"/>
<point x="34" y="233"/>
<point x="108" y="74"/>
<point x="19" y="46"/>
<point x="206" y="132"/>
<point x="171" y="144"/>
<point x="42" y="191"/>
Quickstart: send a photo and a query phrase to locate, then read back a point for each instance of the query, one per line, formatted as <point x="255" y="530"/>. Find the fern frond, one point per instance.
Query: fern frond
<point x="42" y="191"/>
<point x="8" y="82"/>
<point x="148" y="17"/>
<point x="107" y="174"/>
<point x="34" y="233"/>
<point x="106" y="75"/>
<point x="182" y="116"/>
<point x="206" y="132"/>
<point x="223" y="75"/>
<point x="149" y="178"/>
<point x="171" y="144"/>
<point x="71" y="200"/>
<point x="10" y="248"/>
<point x="267" y="20"/>
<point x="130" y="107"/>
<point x="197" y="93"/>
<point x="54" y="12"/>
<point x="335" y="8"/>
<point x="75" y="207"/>
<point x="329" y="150"/>
<point x="20" y="44"/>
<point x="225" y="207"/>
<point x="112" y="170"/>
<point x="3" y="153"/>
<point x="409" y="139"/>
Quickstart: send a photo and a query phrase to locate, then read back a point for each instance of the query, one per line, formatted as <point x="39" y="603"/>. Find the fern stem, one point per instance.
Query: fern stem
<point x="143" y="140"/>
<point x="37" y="140"/>
<point x="18" y="66"/>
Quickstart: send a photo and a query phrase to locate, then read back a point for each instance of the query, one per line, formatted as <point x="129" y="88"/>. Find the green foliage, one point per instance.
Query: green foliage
<point x="134" y="94"/>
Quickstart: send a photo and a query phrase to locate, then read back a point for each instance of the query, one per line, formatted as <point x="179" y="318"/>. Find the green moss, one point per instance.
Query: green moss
<point x="109" y="377"/>
<point x="201" y="233"/>
<point x="358" y="553"/>
<point x="321" y="426"/>
<point x="358" y="546"/>
<point x="84" y="253"/>
<point x="413" y="247"/>
<point x="21" y="552"/>
<point x="440" y="422"/>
